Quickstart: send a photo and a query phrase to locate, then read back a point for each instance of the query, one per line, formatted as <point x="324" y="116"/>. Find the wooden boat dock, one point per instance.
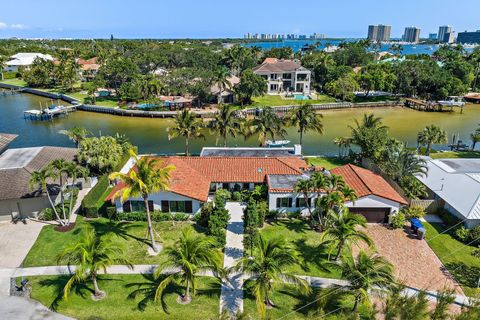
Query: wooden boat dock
<point x="430" y="106"/>
<point x="49" y="114"/>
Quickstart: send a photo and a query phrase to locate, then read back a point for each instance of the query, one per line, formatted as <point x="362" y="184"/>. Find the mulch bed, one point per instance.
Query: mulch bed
<point x="70" y="227"/>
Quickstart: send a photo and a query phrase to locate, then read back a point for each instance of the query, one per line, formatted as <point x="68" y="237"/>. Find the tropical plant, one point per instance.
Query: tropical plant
<point x="267" y="266"/>
<point x="305" y="187"/>
<point x="91" y="254"/>
<point x="266" y="124"/>
<point x="75" y="172"/>
<point x="343" y="144"/>
<point x="187" y="125"/>
<point x="220" y="79"/>
<point x="475" y="136"/>
<point x="76" y="134"/>
<point x="250" y="85"/>
<point x="399" y="306"/>
<point x="366" y="273"/>
<point x="343" y="229"/>
<point x="306" y="119"/>
<point x="100" y="154"/>
<point x="225" y="123"/>
<point x="38" y="180"/>
<point x="149" y="176"/>
<point x="189" y="256"/>
<point x="370" y="135"/>
<point x="60" y="169"/>
<point x="429" y="135"/>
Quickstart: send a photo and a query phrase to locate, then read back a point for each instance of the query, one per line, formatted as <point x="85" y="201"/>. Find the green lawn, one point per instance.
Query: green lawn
<point x="288" y="300"/>
<point x="306" y="241"/>
<point x="50" y="242"/>
<point x="455" y="154"/>
<point x="46" y="289"/>
<point x="15" y="82"/>
<point x="275" y="100"/>
<point x="456" y="256"/>
<point x="327" y="162"/>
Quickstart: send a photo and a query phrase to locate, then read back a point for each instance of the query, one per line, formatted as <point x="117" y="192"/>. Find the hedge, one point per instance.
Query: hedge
<point x="90" y="204"/>
<point x="157" y="216"/>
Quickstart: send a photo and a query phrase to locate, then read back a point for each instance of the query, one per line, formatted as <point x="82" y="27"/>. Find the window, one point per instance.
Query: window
<point x="287" y="76"/>
<point x="137" y="206"/>
<point x="273" y="76"/>
<point x="213" y="187"/>
<point x="273" y="87"/>
<point x="301" y="203"/>
<point x="177" y="206"/>
<point x="284" y="202"/>
<point x="302" y="77"/>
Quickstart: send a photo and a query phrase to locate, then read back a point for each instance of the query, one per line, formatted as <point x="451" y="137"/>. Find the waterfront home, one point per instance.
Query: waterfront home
<point x="195" y="180"/>
<point x="227" y="93"/>
<point x="454" y="184"/>
<point x="88" y="68"/>
<point x="5" y="140"/>
<point x="284" y="76"/>
<point x="17" y="200"/>
<point x="25" y="60"/>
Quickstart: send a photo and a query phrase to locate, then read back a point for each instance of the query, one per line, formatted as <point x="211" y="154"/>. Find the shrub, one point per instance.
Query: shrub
<point x="111" y="212"/>
<point x="46" y="214"/>
<point x="294" y="214"/>
<point x="180" y="216"/>
<point x="398" y="220"/>
<point x="448" y="218"/>
<point x="476" y="253"/>
<point x="236" y="196"/>
<point x="414" y="212"/>
<point x="93" y="200"/>
<point x="262" y="209"/>
<point x="273" y="214"/>
<point x="157" y="216"/>
<point x="223" y="194"/>
<point x="474" y="236"/>
<point x="462" y="234"/>
<point x="205" y="213"/>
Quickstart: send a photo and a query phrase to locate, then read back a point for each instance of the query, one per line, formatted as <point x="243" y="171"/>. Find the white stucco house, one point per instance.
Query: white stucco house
<point x="24" y="59"/>
<point x="284" y="76"/>
<point x="455" y="183"/>
<point x="195" y="179"/>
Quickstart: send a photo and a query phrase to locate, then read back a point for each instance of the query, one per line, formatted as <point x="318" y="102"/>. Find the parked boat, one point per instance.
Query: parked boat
<point x="472" y="97"/>
<point x="453" y="101"/>
<point x="277" y="143"/>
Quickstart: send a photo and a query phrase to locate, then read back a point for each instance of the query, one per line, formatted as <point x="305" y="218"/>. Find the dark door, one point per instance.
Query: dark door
<point x="373" y="215"/>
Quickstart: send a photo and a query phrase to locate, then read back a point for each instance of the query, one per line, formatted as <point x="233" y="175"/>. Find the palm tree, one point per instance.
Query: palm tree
<point x="429" y="135"/>
<point x="343" y="229"/>
<point x="305" y="118"/>
<point x="268" y="123"/>
<point x="76" y="134"/>
<point x="305" y="187"/>
<point x="343" y="144"/>
<point x="187" y="125"/>
<point x="225" y="123"/>
<point x="366" y="273"/>
<point x="90" y="255"/>
<point x="220" y="78"/>
<point x="348" y="193"/>
<point x="475" y="137"/>
<point x="270" y="259"/>
<point x="148" y="177"/>
<point x="189" y="256"/>
<point x="60" y="169"/>
<point x="75" y="172"/>
<point x="38" y="180"/>
<point x="3" y="60"/>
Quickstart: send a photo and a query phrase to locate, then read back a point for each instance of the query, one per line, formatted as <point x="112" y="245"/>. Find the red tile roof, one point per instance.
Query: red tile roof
<point x="192" y="176"/>
<point x="366" y="182"/>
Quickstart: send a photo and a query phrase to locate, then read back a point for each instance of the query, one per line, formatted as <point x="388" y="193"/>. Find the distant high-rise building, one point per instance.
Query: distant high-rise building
<point x="379" y="32"/>
<point x="445" y="34"/>
<point x="432" y="36"/>
<point x="412" y="34"/>
<point x="318" y="36"/>
<point x="469" y="37"/>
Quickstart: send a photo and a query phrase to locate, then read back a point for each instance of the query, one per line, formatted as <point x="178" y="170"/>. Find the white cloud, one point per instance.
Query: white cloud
<point x="3" y="25"/>
<point x="18" y="26"/>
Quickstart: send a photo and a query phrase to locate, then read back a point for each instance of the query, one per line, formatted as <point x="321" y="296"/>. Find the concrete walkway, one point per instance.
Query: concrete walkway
<point x="231" y="297"/>
<point x="16" y="308"/>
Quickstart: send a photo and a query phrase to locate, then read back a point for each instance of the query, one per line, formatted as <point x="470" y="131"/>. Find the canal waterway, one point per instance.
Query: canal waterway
<point x="151" y="137"/>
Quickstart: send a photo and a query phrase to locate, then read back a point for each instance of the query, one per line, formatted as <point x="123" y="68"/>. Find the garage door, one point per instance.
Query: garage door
<point x="373" y="215"/>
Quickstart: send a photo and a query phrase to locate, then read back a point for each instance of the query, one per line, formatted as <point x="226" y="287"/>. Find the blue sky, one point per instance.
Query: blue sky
<point x="227" y="18"/>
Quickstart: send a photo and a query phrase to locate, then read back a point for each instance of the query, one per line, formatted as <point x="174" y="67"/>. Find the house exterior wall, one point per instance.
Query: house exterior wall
<point x="272" y="202"/>
<point x="22" y="208"/>
<point x="276" y="78"/>
<point x="158" y="197"/>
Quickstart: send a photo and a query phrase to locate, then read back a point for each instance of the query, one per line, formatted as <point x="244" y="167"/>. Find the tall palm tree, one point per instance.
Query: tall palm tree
<point x="225" y="123"/>
<point x="38" y="180"/>
<point x="187" y="125"/>
<point x="366" y="273"/>
<point x="306" y="119"/>
<point x="305" y="187"/>
<point x="267" y="266"/>
<point x="268" y="123"/>
<point x="90" y="255"/>
<point x="220" y="78"/>
<point x="343" y="144"/>
<point x="76" y="134"/>
<point x="343" y="229"/>
<point x="429" y="135"/>
<point x="149" y="176"/>
<point x="348" y="193"/>
<point x="60" y="169"/>
<point x="75" y="172"/>
<point x="3" y="60"/>
<point x="189" y="256"/>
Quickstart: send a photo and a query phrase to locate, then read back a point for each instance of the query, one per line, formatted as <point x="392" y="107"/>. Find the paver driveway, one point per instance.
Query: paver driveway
<point x="416" y="265"/>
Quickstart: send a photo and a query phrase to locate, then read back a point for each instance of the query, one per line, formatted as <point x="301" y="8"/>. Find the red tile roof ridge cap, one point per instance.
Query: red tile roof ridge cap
<point x="354" y="167"/>
<point x="281" y="159"/>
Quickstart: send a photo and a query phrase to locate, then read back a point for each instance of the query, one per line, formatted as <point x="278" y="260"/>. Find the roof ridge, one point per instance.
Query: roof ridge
<point x="359" y="177"/>
<point x="288" y="165"/>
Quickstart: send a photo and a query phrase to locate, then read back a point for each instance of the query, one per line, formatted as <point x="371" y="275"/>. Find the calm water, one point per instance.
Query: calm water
<point x="297" y="45"/>
<point x="150" y="134"/>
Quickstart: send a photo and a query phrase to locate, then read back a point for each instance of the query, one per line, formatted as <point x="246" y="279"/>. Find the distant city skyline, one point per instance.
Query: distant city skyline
<point x="208" y="19"/>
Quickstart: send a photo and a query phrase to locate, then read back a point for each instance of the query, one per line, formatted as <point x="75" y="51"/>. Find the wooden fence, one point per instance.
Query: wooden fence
<point x="429" y="206"/>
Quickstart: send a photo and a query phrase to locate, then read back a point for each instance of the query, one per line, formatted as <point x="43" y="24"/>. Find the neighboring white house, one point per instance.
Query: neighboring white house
<point x="284" y="76"/>
<point x="456" y="184"/>
<point x="195" y="179"/>
<point x="24" y="59"/>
